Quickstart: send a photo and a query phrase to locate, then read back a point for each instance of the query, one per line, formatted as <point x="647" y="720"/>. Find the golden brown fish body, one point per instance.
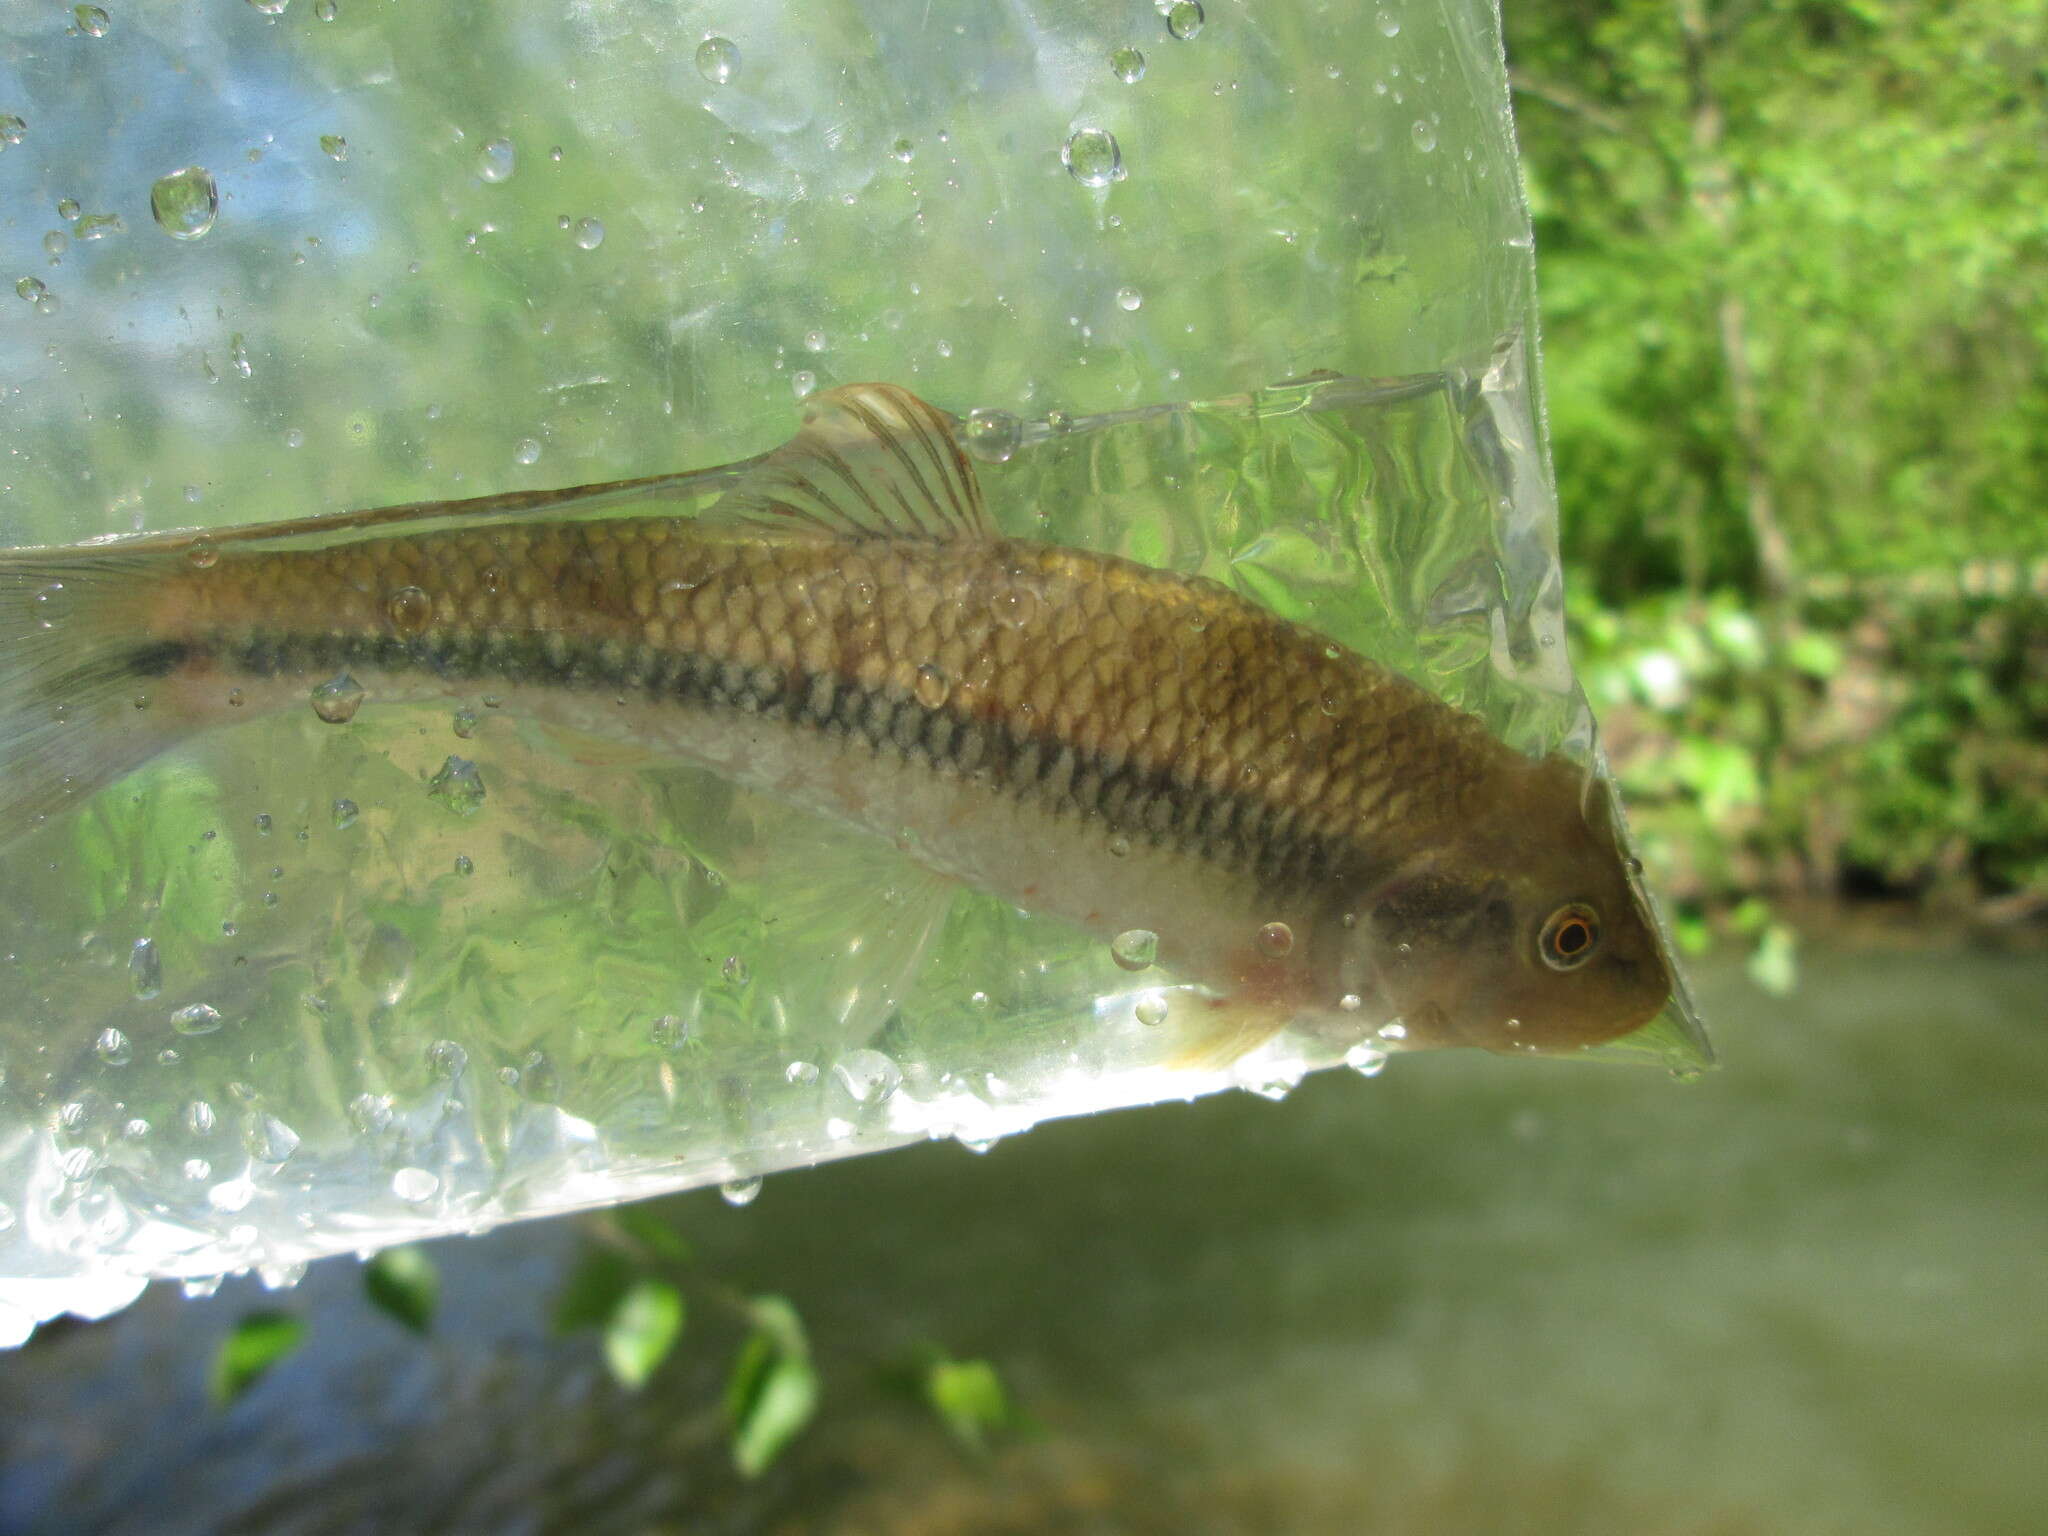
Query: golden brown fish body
<point x="1307" y="833"/>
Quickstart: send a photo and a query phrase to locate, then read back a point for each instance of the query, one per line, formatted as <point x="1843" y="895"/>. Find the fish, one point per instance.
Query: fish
<point x="1303" y="835"/>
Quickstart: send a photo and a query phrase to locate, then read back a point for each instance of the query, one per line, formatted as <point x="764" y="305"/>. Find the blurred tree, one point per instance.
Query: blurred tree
<point x="1793" y="276"/>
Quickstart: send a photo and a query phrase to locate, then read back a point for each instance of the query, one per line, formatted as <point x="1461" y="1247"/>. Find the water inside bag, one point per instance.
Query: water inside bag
<point x="296" y="990"/>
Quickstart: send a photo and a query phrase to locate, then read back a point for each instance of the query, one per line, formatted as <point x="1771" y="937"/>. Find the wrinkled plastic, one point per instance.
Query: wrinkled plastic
<point x="281" y="994"/>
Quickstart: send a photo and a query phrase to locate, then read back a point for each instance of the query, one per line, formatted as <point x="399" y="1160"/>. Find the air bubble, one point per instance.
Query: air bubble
<point x="185" y="202"/>
<point x="738" y="1192"/>
<point x="1184" y="20"/>
<point x="92" y="21"/>
<point x="344" y="813"/>
<point x="718" y="60"/>
<point x="1366" y="1060"/>
<point x="1128" y="65"/>
<point x="1424" y="136"/>
<point x="447" y="1059"/>
<point x="415" y="1186"/>
<point x="668" y="1032"/>
<point x="800" y="1074"/>
<point x="1092" y="158"/>
<point x="31" y="288"/>
<point x="869" y="1077"/>
<point x="993" y="436"/>
<point x="931" y="686"/>
<point x="1151" y="1009"/>
<point x="497" y="160"/>
<point x="903" y="150"/>
<point x="270" y="7"/>
<point x="334" y="146"/>
<point x="1276" y="940"/>
<point x="369" y="1113"/>
<point x="145" y="969"/>
<point x="589" y="234"/>
<point x="337" y="700"/>
<point x="12" y="130"/>
<point x="735" y="970"/>
<point x="1129" y="298"/>
<point x="526" y="451"/>
<point x="1135" y="948"/>
<point x="410" y="611"/>
<point x="196" y="1019"/>
<point x="1389" y="25"/>
<point x="113" y="1048"/>
<point x="199" y="1118"/>
<point x="803" y="383"/>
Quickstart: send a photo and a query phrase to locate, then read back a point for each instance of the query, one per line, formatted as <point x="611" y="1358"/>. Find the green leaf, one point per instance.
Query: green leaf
<point x="644" y="1327"/>
<point x="259" y="1341"/>
<point x="404" y="1285"/>
<point x="1815" y="654"/>
<point x="1774" y="963"/>
<point x="593" y="1291"/>
<point x="773" y="1390"/>
<point x="969" y="1399"/>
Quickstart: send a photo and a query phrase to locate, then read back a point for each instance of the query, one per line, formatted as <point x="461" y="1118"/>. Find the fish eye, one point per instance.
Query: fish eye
<point x="1569" y="937"/>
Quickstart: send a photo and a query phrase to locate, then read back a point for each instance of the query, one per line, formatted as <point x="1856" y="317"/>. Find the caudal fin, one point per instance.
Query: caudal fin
<point x="76" y="674"/>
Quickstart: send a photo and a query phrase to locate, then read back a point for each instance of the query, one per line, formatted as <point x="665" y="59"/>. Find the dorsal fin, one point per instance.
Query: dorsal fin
<point x="871" y="461"/>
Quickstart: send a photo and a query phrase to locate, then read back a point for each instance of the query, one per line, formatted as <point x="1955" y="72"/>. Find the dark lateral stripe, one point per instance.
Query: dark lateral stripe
<point x="1160" y="807"/>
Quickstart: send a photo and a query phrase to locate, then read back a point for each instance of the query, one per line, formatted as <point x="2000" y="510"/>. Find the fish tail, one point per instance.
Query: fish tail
<point x="78" y="676"/>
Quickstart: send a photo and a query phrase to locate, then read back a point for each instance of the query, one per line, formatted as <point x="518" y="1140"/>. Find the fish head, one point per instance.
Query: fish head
<point x="1520" y="931"/>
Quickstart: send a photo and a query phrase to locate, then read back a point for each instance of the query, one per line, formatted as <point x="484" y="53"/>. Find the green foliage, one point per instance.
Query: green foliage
<point x="404" y="1285"/>
<point x="969" y="1399"/>
<point x="1864" y="179"/>
<point x="259" y="1341"/>
<point x="773" y="1390"/>
<point x="641" y="1331"/>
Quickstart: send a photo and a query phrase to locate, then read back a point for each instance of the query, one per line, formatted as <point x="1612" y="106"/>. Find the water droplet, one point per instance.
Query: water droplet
<point x="1184" y="20"/>
<point x="1128" y="65"/>
<point x="803" y="383"/>
<point x="31" y="288"/>
<point x="1390" y="25"/>
<point x="447" y="1059"/>
<point x="185" y="202"/>
<point x="497" y="160"/>
<point x="869" y="1077"/>
<point x="199" y="1118"/>
<point x="112" y="1047"/>
<point x="415" y="1186"/>
<point x="12" y="129"/>
<point x="800" y="1074"/>
<point x="369" y="1113"/>
<point x="1424" y="135"/>
<point x="668" y="1032"/>
<point x="334" y="146"/>
<point x="410" y="611"/>
<point x="345" y="813"/>
<point x="1151" y="1009"/>
<point x="902" y="150"/>
<point x="718" y="60"/>
<point x="196" y="1019"/>
<point x="92" y="21"/>
<point x="270" y="1140"/>
<point x="737" y="1192"/>
<point x="589" y="234"/>
<point x="337" y="700"/>
<point x="1092" y="158"/>
<point x="735" y="970"/>
<point x="1275" y="940"/>
<point x="1134" y="948"/>
<point x="993" y="436"/>
<point x="526" y="451"/>
<point x="145" y="969"/>
<point x="932" y="686"/>
<point x="1366" y="1060"/>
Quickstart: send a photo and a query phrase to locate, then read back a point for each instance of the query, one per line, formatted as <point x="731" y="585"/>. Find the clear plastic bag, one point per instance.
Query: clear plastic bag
<point x="287" y="990"/>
